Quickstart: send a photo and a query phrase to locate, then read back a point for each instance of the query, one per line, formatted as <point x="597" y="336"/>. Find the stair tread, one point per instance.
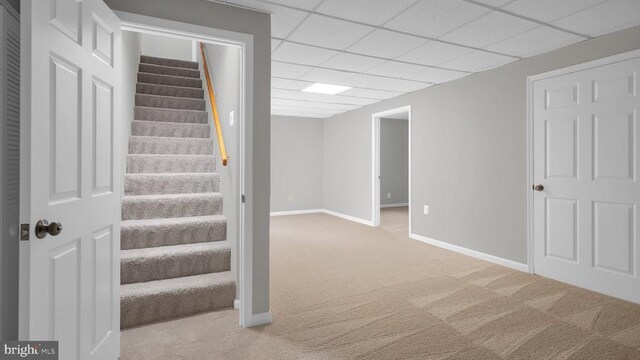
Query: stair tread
<point x="176" y="285"/>
<point x="173" y="250"/>
<point x="171" y="97"/>
<point x="146" y="58"/>
<point x="164" y="75"/>
<point x="174" y="88"/>
<point x="171" y="196"/>
<point x="172" y="221"/>
<point x="211" y="175"/>
<point x="168" y="70"/>
<point x="166" y="109"/>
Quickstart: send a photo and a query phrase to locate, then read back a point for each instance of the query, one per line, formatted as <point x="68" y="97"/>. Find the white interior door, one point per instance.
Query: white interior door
<point x="70" y="174"/>
<point x="586" y="157"/>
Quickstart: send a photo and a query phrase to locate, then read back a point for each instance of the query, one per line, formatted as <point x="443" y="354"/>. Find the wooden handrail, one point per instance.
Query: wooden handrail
<point x="214" y="107"/>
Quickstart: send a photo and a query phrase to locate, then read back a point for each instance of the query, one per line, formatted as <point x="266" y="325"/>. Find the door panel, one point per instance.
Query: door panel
<point x="586" y="156"/>
<point x="73" y="171"/>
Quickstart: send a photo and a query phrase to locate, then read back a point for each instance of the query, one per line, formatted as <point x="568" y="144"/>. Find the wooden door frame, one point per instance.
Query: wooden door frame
<point x="531" y="80"/>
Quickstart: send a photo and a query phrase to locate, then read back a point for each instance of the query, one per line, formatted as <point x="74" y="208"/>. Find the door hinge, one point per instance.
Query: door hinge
<point x="244" y="199"/>
<point x="24" y="232"/>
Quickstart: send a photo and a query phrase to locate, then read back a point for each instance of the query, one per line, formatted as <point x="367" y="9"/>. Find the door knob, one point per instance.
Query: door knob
<point x="43" y="227"/>
<point x="538" y="187"/>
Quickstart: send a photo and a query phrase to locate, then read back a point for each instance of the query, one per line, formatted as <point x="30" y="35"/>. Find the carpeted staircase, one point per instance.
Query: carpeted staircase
<point x="175" y="260"/>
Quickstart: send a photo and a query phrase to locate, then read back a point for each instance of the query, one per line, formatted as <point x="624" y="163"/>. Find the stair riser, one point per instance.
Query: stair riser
<point x="134" y="270"/>
<point x="138" y="237"/>
<point x="175" y="91"/>
<point x="187" y="184"/>
<point x="160" y="129"/>
<point x="156" y="307"/>
<point x="170" y="71"/>
<point x="169" y="115"/>
<point x="169" y="102"/>
<point x="136" y="208"/>
<point x="137" y="164"/>
<point x="176" y="146"/>
<point x="158" y="79"/>
<point x="168" y="62"/>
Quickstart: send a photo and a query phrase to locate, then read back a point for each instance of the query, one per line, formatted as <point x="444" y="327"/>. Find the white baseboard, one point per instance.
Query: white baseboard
<point x="260" y="319"/>
<point x="476" y="254"/>
<point x="382" y="206"/>
<point x="296" y="212"/>
<point x="348" y="217"/>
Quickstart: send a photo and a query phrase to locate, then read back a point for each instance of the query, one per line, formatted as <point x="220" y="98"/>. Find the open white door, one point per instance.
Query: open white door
<point x="70" y="175"/>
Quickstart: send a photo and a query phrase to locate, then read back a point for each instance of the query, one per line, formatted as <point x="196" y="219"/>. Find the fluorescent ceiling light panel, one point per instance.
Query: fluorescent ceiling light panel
<point x="326" y="89"/>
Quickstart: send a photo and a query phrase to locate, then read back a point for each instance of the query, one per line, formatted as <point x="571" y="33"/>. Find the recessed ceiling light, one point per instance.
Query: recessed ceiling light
<point x="326" y="89"/>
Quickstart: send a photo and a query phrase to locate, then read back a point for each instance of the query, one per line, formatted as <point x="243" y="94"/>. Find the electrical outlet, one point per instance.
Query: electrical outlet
<point x="291" y="198"/>
<point x="232" y="118"/>
<point x="426" y="209"/>
<point x="388" y="195"/>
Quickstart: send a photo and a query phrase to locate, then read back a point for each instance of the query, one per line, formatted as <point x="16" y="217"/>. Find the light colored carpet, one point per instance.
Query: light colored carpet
<point x="340" y="290"/>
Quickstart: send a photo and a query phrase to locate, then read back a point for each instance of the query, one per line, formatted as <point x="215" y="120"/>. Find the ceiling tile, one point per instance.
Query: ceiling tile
<point x="437" y="76"/>
<point x="283" y="20"/>
<point x="604" y="18"/>
<point x="301" y="103"/>
<point x="386" y="44"/>
<point x="328" y="32"/>
<point x="275" y="43"/>
<point x="477" y="61"/>
<point x="288" y="71"/>
<point x="374" y="12"/>
<point x="307" y="109"/>
<point x="327" y="76"/>
<point x="494" y="3"/>
<point x="434" y="53"/>
<point x="489" y="30"/>
<point x="302" y="4"/>
<point x="394" y="69"/>
<point x="549" y="10"/>
<point x="433" y="18"/>
<point x="352" y="62"/>
<point x="299" y="114"/>
<point x="280" y="83"/>
<point x="382" y="83"/>
<point x="296" y="85"/>
<point x="371" y="94"/>
<point x="301" y="95"/>
<point x="536" y="41"/>
<point x="302" y="54"/>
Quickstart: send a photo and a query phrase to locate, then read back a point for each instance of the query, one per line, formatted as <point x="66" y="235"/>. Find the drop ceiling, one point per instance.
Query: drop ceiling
<point x="386" y="48"/>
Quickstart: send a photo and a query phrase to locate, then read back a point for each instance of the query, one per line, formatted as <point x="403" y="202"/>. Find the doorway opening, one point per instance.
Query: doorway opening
<point x="226" y="82"/>
<point x="391" y="175"/>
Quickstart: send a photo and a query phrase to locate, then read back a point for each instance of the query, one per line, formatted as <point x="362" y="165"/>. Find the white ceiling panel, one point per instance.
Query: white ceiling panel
<point x="536" y="41"/>
<point x="374" y="12"/>
<point x="295" y="85"/>
<point x="437" y="76"/>
<point x="489" y="30"/>
<point x="307" y="109"/>
<point x="302" y="103"/>
<point x="372" y="94"/>
<point x="337" y="99"/>
<point x="478" y="61"/>
<point x="275" y="43"/>
<point x="495" y="3"/>
<point x="352" y="62"/>
<point x="386" y="44"/>
<point x="433" y="18"/>
<point x="288" y="71"/>
<point x="604" y="18"/>
<point x="382" y="83"/>
<point x="394" y="69"/>
<point x="297" y="114"/>
<point x="302" y="4"/>
<point x="434" y="53"/>
<point x="328" y="32"/>
<point x="302" y="54"/>
<point x="280" y="83"/>
<point x="549" y="10"/>
<point x="283" y="20"/>
<point x="327" y="76"/>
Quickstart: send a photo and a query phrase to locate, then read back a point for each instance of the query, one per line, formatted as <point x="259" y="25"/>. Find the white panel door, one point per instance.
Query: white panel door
<point x="70" y="175"/>
<point x="586" y="157"/>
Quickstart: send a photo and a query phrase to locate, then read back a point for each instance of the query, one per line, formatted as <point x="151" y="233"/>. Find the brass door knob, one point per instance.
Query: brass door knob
<point x="538" y="187"/>
<point x="44" y="228"/>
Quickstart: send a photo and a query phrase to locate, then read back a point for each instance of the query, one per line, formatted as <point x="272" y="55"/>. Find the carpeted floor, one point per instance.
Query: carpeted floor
<point x="340" y="290"/>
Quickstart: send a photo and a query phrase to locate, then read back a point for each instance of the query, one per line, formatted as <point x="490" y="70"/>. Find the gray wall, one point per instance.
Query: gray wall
<point x="296" y="163"/>
<point x="220" y="16"/>
<point x="225" y="75"/>
<point x="166" y="47"/>
<point x="131" y="50"/>
<point x="468" y="152"/>
<point x="394" y="161"/>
